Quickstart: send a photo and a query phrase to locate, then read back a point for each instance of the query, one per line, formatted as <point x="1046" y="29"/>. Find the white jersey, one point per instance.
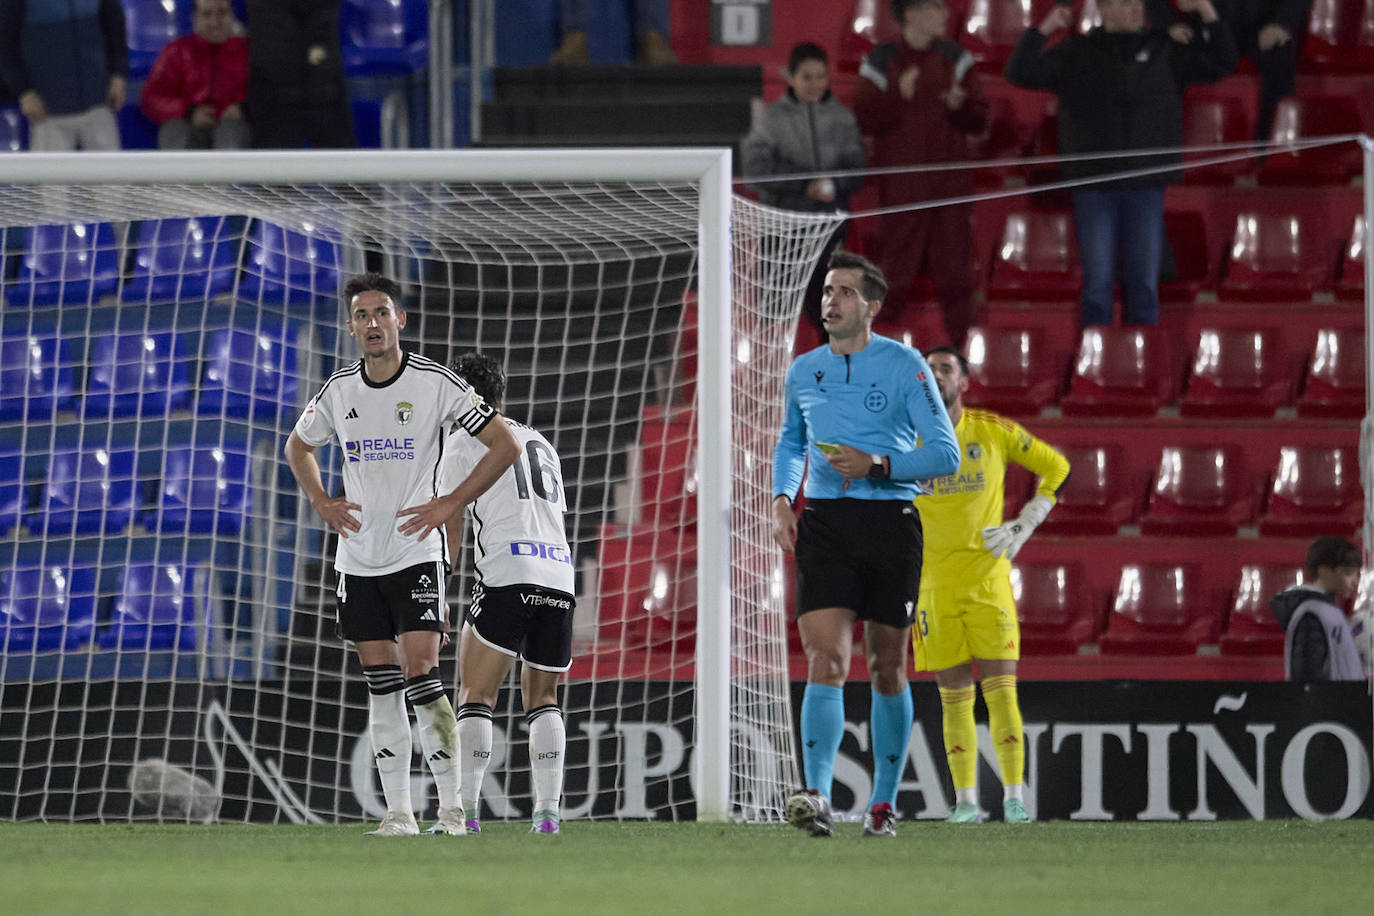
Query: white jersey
<point x="393" y="437"/>
<point x="517" y="525"/>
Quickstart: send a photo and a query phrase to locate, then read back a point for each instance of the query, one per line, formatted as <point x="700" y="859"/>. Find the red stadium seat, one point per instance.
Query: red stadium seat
<point x="1010" y="370"/>
<point x="1120" y="371"/>
<point x="1014" y="122"/>
<point x="1335" y="376"/>
<point x="1251" y="628"/>
<point x="991" y="28"/>
<point x="1236" y="373"/>
<point x="1212" y="122"/>
<point x="1316" y="491"/>
<point x="1198" y="490"/>
<point x="1319" y="116"/>
<point x="1037" y="258"/>
<point x="1055" y="612"/>
<point x="1159" y="610"/>
<point x="1099" y="496"/>
<point x="1350" y="284"/>
<point x="1340" y="37"/>
<point x="1275" y="257"/>
<point x="1187" y="235"/>
<point x="646" y="587"/>
<point x="668" y="480"/>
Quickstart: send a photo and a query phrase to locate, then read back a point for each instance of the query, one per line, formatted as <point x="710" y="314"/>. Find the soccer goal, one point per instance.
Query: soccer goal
<point x="166" y="600"/>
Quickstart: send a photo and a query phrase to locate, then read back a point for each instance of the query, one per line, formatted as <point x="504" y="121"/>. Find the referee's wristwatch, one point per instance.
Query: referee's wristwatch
<point x="879" y="469"/>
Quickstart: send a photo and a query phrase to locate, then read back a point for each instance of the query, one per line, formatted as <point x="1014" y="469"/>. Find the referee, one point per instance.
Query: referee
<point x="864" y="412"/>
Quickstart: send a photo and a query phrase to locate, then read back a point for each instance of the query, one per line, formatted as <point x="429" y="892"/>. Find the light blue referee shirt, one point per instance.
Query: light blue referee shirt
<point x="881" y="400"/>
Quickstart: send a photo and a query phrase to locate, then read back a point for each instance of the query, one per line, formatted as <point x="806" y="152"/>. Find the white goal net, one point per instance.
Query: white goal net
<point x="167" y="645"/>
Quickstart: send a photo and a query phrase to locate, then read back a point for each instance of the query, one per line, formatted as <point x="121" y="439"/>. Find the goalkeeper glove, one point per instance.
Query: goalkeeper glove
<point x="1006" y="539"/>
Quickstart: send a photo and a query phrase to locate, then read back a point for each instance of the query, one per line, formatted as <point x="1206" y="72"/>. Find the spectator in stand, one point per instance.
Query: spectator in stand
<point x="1120" y="87"/>
<point x="650" y="22"/>
<point x="1317" y="642"/>
<point x="1270" y="33"/>
<point x="296" y="89"/>
<point x="922" y="103"/>
<point x="198" y="85"/>
<point x="807" y="131"/>
<point x="67" y="64"/>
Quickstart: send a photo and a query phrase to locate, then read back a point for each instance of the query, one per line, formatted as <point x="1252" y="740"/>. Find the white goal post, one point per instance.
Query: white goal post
<point x="738" y="592"/>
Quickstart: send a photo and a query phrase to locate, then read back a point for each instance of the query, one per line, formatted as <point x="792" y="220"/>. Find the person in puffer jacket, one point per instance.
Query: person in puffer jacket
<point x="1317" y="641"/>
<point x="806" y="132"/>
<point x="67" y="63"/>
<point x="196" y="90"/>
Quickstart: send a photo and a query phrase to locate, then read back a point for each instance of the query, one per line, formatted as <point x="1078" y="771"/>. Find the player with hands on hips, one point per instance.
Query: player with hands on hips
<point x="390" y="412"/>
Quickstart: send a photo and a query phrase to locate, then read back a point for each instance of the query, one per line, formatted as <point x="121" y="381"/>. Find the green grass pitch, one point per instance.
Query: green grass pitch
<point x="1284" y="867"/>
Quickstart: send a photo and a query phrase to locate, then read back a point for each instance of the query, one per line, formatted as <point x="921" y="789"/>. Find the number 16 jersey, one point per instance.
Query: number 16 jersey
<point x="517" y="524"/>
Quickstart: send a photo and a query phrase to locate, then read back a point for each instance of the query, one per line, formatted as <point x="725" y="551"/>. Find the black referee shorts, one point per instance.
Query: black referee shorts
<point x="860" y="554"/>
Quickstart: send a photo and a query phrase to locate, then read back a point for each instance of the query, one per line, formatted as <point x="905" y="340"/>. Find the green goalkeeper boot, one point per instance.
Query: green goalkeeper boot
<point x="1014" y="812"/>
<point x="965" y="813"/>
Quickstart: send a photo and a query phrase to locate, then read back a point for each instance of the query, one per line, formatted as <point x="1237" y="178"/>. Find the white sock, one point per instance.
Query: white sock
<point x="389" y="727"/>
<point x="474" y="737"/>
<point x="548" y="741"/>
<point x="967" y="795"/>
<point x="438" y="734"/>
<point x="1010" y="792"/>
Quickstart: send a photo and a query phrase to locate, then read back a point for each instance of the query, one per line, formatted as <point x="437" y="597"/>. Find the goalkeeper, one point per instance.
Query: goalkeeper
<point x="966" y="610"/>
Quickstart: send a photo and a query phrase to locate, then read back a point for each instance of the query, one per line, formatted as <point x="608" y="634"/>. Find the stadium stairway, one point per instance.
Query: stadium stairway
<point x="620" y="106"/>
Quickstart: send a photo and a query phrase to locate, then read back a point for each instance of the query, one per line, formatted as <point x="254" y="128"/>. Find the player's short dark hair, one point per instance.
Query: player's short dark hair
<point x="807" y="50"/>
<point x="875" y="284"/>
<point x="945" y="348"/>
<point x="370" y="282"/>
<point x="1333" y="552"/>
<point x="484" y="374"/>
<point x="899" y="8"/>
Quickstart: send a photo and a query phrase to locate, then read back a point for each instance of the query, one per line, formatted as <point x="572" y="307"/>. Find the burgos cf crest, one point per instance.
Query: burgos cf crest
<point x="403" y="411"/>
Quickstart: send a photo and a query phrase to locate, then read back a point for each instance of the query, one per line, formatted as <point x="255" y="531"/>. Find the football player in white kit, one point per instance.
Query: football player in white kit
<point x="392" y="412"/>
<point x="522" y="602"/>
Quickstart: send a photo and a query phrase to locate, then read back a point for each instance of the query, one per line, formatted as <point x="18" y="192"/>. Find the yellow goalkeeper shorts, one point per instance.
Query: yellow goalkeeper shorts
<point x="954" y="625"/>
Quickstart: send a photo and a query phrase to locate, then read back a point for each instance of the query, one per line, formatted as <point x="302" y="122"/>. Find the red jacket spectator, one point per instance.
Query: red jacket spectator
<point x="191" y="71"/>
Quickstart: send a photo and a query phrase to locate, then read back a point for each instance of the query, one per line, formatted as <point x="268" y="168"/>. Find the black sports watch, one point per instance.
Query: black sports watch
<point x="879" y="469"/>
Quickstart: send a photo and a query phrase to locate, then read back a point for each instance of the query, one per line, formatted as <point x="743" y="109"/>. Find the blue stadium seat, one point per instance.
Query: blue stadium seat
<point x="383" y="37"/>
<point x="138" y="374"/>
<point x="203" y="490"/>
<point x="155" y="609"/>
<point x="46" y="607"/>
<point x="149" y="25"/>
<point x="14" y="131"/>
<point x="11" y="487"/>
<point x="180" y="259"/>
<point x="36" y="377"/>
<point x="66" y="264"/>
<point x="86" y="492"/>
<point x="136" y="130"/>
<point x="249" y="372"/>
<point x="289" y="267"/>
